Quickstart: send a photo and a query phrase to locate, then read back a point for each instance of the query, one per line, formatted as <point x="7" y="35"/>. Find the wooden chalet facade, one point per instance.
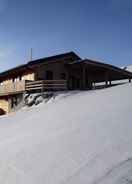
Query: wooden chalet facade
<point x="60" y="72"/>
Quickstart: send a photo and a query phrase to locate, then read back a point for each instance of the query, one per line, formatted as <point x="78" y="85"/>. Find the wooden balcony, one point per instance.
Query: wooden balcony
<point x="46" y="85"/>
<point x="12" y="88"/>
<point x="22" y="86"/>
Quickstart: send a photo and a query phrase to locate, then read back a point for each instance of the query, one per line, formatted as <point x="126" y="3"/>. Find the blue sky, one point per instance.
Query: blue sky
<point x="96" y="29"/>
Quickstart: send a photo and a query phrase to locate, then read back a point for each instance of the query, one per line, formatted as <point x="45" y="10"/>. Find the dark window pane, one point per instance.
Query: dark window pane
<point x="49" y="75"/>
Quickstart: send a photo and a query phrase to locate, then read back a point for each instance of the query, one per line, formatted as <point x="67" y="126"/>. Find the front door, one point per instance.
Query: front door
<point x="74" y="83"/>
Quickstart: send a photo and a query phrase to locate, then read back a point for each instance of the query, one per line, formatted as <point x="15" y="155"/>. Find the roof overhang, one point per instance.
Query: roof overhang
<point x="117" y="72"/>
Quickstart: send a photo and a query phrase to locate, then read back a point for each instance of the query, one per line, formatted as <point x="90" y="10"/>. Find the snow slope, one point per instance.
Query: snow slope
<point x="76" y="138"/>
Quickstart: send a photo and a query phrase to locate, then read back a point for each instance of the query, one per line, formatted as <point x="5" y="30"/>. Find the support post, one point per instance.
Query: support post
<point x="83" y="78"/>
<point x="106" y="78"/>
<point x="69" y="86"/>
<point x="42" y="89"/>
<point x="130" y="80"/>
<point x="106" y="83"/>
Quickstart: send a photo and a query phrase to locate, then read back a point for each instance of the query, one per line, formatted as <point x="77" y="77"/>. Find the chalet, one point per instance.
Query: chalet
<point x="60" y="72"/>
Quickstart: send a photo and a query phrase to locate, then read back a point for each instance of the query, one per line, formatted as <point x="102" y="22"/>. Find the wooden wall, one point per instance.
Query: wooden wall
<point x="4" y="104"/>
<point x="28" y="76"/>
<point x="56" y="68"/>
<point x="24" y="76"/>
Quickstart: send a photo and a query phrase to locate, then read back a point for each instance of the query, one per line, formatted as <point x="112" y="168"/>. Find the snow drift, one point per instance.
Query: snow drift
<point x="76" y="138"/>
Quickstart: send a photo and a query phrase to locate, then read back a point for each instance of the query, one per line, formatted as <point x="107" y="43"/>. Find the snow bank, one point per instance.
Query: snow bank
<point x="76" y="138"/>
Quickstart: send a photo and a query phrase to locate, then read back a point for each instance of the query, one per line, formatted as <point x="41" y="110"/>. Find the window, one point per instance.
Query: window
<point x="49" y="75"/>
<point x="63" y="76"/>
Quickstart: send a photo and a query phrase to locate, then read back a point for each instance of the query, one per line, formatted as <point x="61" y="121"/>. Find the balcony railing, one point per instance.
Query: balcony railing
<point x="14" y="87"/>
<point x="46" y="85"/>
<point x="42" y="85"/>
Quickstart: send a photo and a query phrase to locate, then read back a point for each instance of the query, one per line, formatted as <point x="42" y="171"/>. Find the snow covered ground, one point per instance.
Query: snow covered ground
<point x="77" y="138"/>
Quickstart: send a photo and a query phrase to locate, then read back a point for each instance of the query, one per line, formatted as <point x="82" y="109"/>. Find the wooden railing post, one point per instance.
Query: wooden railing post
<point x="42" y="86"/>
